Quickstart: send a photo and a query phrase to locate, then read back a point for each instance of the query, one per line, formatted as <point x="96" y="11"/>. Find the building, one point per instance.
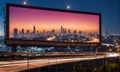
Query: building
<point x="34" y="29"/>
<point x="15" y="33"/>
<point x="23" y="32"/>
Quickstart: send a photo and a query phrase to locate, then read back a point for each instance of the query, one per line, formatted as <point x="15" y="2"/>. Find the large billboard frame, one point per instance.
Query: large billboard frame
<point x="9" y="41"/>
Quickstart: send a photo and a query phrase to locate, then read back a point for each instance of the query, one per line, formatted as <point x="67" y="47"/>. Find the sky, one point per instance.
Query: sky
<point x="26" y="18"/>
<point x="110" y="10"/>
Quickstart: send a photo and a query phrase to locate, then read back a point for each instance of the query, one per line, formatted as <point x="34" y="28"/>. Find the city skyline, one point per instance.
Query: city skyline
<point x="48" y="20"/>
<point x="65" y="35"/>
<point x="62" y="29"/>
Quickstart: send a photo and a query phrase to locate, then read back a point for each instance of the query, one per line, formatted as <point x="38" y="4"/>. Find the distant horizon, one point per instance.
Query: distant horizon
<point x="102" y="34"/>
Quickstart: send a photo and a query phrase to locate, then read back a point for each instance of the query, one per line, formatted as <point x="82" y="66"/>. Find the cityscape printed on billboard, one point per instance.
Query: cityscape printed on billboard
<point x="49" y="25"/>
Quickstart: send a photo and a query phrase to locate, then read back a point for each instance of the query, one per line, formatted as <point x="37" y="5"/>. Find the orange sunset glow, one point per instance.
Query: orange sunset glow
<point x="25" y="18"/>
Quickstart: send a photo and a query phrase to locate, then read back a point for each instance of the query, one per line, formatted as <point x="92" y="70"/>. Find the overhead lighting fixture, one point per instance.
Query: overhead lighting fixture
<point x="24" y="2"/>
<point x="68" y="4"/>
<point x="68" y="7"/>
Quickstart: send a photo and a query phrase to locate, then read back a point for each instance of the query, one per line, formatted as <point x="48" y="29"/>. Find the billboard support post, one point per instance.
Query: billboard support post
<point x="14" y="49"/>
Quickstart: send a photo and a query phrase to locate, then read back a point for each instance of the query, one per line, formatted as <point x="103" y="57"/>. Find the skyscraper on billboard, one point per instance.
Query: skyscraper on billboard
<point x="15" y="32"/>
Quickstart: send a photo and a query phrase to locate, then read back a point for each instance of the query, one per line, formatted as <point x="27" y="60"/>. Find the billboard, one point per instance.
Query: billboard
<point x="36" y="24"/>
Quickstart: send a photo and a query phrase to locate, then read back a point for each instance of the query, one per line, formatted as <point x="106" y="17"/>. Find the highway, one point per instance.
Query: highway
<point x="19" y="65"/>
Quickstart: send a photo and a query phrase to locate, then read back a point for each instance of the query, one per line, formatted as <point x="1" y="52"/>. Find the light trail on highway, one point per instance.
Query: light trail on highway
<point x="15" y="66"/>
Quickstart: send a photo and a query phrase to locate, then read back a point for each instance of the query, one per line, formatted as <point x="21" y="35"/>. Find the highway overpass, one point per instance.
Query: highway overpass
<point x="19" y="65"/>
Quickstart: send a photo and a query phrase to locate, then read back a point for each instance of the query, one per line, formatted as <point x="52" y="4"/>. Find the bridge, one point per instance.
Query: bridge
<point x="20" y="65"/>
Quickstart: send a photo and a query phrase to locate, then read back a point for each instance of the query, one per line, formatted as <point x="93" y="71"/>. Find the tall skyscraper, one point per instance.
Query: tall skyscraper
<point x="61" y="29"/>
<point x="80" y="33"/>
<point x="34" y="29"/>
<point x="22" y="32"/>
<point x="53" y="31"/>
<point x="15" y="33"/>
<point x="68" y="30"/>
<point x="28" y="31"/>
<point x="44" y="31"/>
<point x="74" y="31"/>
